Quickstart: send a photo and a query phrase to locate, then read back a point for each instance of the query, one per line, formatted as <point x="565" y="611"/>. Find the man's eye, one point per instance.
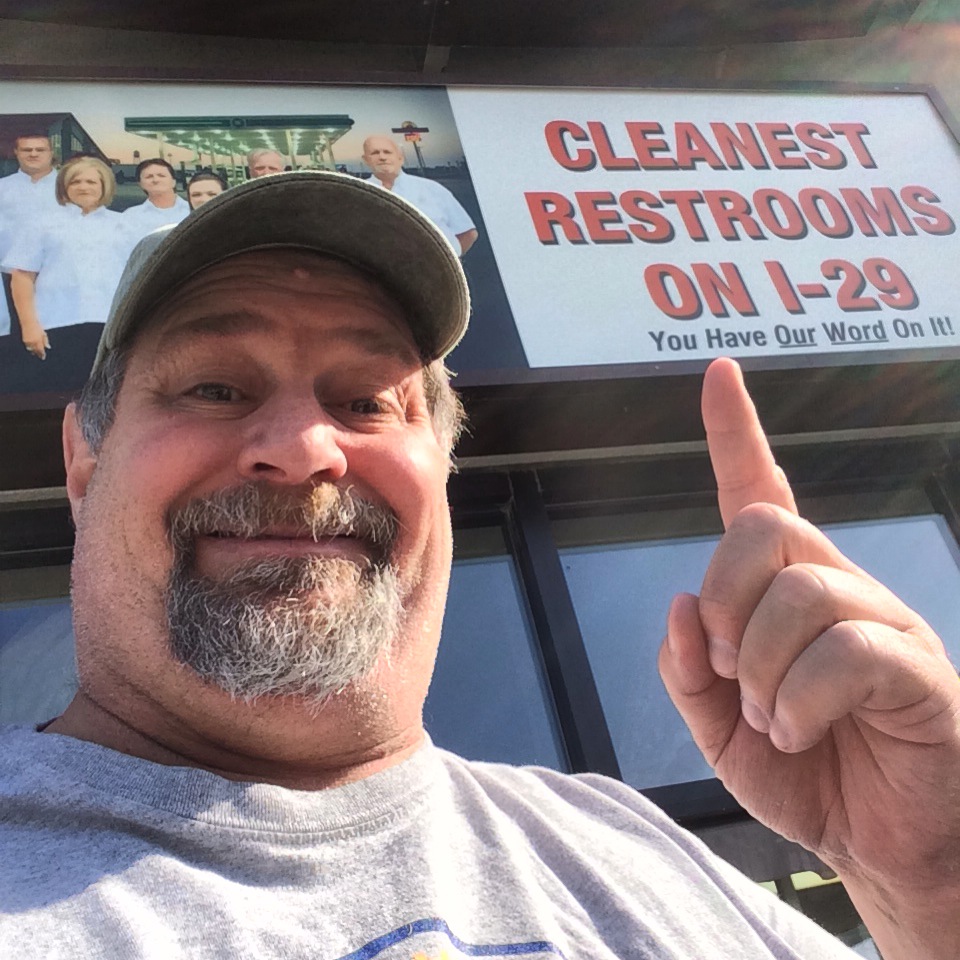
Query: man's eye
<point x="216" y="393"/>
<point x="367" y="406"/>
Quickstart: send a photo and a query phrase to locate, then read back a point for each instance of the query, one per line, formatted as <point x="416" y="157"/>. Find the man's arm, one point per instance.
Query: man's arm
<point x="23" y="287"/>
<point x="827" y="707"/>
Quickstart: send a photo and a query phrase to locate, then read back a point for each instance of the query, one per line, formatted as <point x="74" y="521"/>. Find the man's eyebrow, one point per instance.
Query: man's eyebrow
<point x="239" y="322"/>
<point x="213" y="325"/>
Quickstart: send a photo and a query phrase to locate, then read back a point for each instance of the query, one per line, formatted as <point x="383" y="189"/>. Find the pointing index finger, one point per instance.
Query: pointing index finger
<point x="742" y="461"/>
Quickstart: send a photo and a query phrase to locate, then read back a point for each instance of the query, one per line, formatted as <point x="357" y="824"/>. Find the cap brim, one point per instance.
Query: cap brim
<point x="331" y="213"/>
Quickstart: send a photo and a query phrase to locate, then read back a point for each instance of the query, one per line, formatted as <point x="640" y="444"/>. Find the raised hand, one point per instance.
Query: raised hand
<point x="826" y="706"/>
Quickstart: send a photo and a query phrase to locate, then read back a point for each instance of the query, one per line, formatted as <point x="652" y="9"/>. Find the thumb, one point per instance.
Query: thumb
<point x="708" y="703"/>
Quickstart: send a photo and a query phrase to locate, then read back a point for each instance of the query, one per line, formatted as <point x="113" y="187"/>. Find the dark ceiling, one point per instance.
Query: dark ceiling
<point x="485" y="23"/>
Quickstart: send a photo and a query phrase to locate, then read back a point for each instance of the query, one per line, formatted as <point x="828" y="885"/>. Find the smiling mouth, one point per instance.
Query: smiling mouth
<point x="219" y="551"/>
<point x="252" y="524"/>
<point x="297" y="542"/>
<point x="305" y="535"/>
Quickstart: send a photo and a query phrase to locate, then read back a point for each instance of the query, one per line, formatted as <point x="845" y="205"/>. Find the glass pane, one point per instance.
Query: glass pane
<point x="489" y="698"/>
<point x="37" y="670"/>
<point x="620" y="592"/>
<point x="918" y="559"/>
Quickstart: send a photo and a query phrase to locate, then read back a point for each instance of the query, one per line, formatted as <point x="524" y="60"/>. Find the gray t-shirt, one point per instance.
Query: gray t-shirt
<point x="105" y="855"/>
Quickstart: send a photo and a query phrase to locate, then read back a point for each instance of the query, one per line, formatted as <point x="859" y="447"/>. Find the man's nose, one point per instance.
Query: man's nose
<point x="292" y="441"/>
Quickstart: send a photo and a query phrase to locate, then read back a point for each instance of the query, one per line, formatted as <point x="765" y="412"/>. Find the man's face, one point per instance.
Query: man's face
<point x="34" y="155"/>
<point x="266" y="163"/>
<point x="382" y="156"/>
<point x="157" y="181"/>
<point x="272" y="461"/>
<point x="203" y="191"/>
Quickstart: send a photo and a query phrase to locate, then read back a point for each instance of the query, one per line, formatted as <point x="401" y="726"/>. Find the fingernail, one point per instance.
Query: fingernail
<point x="754" y="716"/>
<point x="723" y="657"/>
<point x="780" y="736"/>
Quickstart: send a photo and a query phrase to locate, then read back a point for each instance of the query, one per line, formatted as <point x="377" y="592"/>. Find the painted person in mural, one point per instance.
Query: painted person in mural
<point x="257" y="472"/>
<point x="203" y="186"/>
<point x="26" y="196"/>
<point x="384" y="158"/>
<point x="262" y="162"/>
<point x="65" y="267"/>
<point x="162" y="206"/>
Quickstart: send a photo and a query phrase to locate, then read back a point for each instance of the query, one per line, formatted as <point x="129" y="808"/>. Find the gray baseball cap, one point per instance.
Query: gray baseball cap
<point x="332" y="213"/>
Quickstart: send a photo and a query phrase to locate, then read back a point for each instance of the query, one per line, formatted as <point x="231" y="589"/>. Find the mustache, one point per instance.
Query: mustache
<point x="252" y="510"/>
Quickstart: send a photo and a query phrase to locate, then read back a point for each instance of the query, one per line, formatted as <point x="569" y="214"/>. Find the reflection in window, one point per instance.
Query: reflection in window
<point x="489" y="699"/>
<point x="621" y="591"/>
<point x="37" y="672"/>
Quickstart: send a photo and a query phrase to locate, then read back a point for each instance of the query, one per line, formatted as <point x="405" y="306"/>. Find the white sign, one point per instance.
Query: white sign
<point x="655" y="226"/>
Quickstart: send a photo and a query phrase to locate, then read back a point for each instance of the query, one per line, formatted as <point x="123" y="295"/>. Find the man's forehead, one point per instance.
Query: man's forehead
<point x="284" y="265"/>
<point x="32" y="143"/>
<point x="202" y="305"/>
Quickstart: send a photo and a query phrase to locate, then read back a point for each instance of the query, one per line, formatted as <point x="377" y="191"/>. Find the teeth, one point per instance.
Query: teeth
<point x="226" y="535"/>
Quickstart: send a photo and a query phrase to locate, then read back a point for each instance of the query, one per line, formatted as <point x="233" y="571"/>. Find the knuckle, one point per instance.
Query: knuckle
<point x="848" y="641"/>
<point x="800" y="588"/>
<point x="757" y="520"/>
<point x="717" y="612"/>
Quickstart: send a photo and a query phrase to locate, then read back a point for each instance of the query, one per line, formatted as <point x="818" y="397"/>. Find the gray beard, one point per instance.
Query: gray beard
<point x="284" y="626"/>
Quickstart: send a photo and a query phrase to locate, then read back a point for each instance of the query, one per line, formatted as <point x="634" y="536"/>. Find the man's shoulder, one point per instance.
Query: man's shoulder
<point x="19" y="742"/>
<point x="414" y="181"/>
<point x="558" y="794"/>
<point x="12" y="184"/>
<point x="23" y="770"/>
<point x="20" y="183"/>
<point x="15" y="738"/>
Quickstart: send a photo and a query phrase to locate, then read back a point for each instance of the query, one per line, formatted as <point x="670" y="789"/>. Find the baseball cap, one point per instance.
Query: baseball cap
<point x="332" y="213"/>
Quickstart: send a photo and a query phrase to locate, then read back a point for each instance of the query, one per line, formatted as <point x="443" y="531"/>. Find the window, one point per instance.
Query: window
<point x="621" y="588"/>
<point x="37" y="671"/>
<point x="489" y="699"/>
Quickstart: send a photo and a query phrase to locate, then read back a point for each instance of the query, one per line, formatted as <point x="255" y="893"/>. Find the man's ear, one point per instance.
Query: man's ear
<point x="79" y="460"/>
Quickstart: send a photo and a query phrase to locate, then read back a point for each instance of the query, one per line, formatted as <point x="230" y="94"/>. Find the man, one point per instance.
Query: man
<point x="25" y="196"/>
<point x="384" y="158"/>
<point x="257" y="475"/>
<point x="263" y="161"/>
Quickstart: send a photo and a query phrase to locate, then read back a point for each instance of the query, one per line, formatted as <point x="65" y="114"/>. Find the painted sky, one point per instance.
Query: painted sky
<point x="101" y="108"/>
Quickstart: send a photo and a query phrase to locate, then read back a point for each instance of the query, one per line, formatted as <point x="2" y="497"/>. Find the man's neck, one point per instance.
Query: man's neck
<point x="389" y="180"/>
<point x="167" y="202"/>
<point x="266" y="752"/>
<point x="34" y="177"/>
